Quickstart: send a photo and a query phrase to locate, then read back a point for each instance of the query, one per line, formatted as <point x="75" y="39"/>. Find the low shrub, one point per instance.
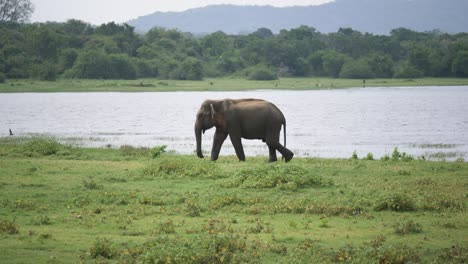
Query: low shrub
<point x="397" y="155"/>
<point x="157" y="151"/>
<point x="438" y="202"/>
<point x="128" y="150"/>
<point x="285" y="177"/>
<point x="166" y="227"/>
<point x="377" y="252"/>
<point x="37" y="147"/>
<point x="102" y="247"/>
<point x="408" y="227"/>
<point x="204" y="248"/>
<point x="8" y="227"/>
<point x="454" y="254"/>
<point x="92" y="185"/>
<point x="180" y="168"/>
<point x="369" y="156"/>
<point x="42" y="147"/>
<point x="396" y="202"/>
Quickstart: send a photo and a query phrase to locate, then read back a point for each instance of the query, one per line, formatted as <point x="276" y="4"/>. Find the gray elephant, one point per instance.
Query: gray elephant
<point x="243" y="118"/>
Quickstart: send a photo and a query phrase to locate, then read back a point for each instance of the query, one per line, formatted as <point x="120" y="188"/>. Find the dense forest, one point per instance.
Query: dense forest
<point x="76" y="49"/>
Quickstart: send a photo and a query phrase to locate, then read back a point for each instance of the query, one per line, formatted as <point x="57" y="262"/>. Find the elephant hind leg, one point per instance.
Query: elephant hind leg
<point x="275" y="145"/>
<point x="273" y="157"/>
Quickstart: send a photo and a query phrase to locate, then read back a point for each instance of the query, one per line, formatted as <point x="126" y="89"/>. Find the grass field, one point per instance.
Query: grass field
<point x="221" y="84"/>
<point x="61" y="204"/>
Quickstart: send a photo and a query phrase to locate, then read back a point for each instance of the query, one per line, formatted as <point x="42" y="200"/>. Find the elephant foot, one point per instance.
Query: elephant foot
<point x="288" y="157"/>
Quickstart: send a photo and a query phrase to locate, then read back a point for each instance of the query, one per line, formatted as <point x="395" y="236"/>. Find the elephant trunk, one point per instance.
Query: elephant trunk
<point x="198" y="137"/>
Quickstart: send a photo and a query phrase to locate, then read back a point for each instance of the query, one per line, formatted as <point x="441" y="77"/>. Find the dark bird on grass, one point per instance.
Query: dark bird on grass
<point x="11" y="133"/>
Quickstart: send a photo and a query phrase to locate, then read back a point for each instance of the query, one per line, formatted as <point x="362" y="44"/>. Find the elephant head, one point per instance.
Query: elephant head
<point x="207" y="117"/>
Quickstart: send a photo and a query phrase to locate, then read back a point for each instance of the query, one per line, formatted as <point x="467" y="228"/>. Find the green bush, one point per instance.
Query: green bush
<point x="102" y="247"/>
<point x="157" y="151"/>
<point x="41" y="146"/>
<point x="180" y="168"/>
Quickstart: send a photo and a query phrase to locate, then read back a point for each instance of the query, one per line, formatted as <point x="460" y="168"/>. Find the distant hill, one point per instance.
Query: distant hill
<point x="373" y="16"/>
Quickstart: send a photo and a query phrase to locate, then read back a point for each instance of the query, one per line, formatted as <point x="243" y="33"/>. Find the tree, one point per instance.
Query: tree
<point x="92" y="64"/>
<point x="356" y="69"/>
<point x="380" y="64"/>
<point x="460" y="64"/>
<point x="263" y="33"/>
<point x="261" y="73"/>
<point x="215" y="44"/>
<point x="189" y="69"/>
<point x="15" y="10"/>
<point x="332" y="62"/>
<point x="407" y="70"/>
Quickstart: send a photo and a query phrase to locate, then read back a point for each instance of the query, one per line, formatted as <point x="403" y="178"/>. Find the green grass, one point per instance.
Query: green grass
<point x="63" y="204"/>
<point x="220" y="84"/>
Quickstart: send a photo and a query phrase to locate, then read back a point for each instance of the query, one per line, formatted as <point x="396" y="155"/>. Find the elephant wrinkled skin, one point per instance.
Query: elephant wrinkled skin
<point x="242" y="118"/>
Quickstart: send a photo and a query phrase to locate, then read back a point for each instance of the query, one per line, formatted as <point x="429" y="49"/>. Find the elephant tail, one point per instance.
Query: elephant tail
<point x="284" y="133"/>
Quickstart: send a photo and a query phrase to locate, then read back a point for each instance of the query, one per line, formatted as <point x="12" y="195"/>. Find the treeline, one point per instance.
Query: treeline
<point x="76" y="49"/>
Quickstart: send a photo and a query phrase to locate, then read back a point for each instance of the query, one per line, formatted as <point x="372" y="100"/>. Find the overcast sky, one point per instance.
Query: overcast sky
<point x="103" y="11"/>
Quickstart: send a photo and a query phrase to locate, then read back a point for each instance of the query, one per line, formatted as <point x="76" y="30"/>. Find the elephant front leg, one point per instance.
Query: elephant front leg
<point x="218" y="141"/>
<point x="237" y="143"/>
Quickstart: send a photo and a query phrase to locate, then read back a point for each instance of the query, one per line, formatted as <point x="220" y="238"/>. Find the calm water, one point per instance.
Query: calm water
<point x="426" y="121"/>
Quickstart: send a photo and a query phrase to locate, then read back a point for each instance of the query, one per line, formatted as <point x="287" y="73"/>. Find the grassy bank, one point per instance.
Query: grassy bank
<point x="221" y="84"/>
<point x="62" y="204"/>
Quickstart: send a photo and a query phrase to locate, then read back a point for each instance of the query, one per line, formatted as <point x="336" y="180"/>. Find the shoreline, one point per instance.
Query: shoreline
<point x="215" y="84"/>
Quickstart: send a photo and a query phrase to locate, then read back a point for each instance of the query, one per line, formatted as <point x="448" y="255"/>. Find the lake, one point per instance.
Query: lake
<point x="429" y="121"/>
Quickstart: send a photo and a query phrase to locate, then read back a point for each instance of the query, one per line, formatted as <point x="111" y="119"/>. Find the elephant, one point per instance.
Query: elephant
<point x="242" y="118"/>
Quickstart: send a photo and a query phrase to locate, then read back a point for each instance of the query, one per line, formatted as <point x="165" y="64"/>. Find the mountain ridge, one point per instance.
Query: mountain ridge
<point x="378" y="17"/>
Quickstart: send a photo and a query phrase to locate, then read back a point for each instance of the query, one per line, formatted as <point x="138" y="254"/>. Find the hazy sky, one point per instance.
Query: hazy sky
<point x="103" y="11"/>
